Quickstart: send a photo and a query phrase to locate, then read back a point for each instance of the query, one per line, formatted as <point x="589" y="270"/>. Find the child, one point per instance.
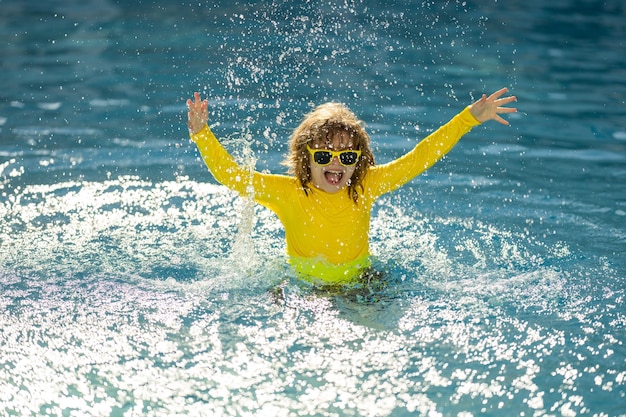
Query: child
<point x="325" y="202"/>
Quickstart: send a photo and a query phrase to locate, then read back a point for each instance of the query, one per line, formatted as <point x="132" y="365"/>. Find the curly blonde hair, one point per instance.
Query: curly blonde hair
<point x="318" y="127"/>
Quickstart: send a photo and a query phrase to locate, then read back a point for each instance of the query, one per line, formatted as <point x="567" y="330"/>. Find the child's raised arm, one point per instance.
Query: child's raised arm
<point x="489" y="108"/>
<point x="198" y="114"/>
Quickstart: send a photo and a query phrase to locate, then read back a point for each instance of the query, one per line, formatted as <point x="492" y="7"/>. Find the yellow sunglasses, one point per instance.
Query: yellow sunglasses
<point x="324" y="157"/>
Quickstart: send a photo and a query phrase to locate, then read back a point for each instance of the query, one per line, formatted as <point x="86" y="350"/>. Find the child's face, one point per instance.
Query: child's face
<point x="332" y="177"/>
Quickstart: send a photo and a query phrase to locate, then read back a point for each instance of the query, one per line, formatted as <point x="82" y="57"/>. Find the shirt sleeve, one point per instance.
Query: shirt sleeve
<point x="266" y="188"/>
<point x="221" y="164"/>
<point x="388" y="177"/>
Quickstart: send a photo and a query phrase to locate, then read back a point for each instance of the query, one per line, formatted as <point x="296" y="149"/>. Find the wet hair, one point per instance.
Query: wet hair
<point x="319" y="127"/>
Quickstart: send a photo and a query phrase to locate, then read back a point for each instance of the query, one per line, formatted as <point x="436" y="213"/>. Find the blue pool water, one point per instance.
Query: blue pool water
<point x="133" y="285"/>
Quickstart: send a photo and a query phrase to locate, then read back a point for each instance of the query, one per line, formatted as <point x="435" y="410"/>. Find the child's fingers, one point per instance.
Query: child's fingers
<point x="501" y="120"/>
<point x="505" y="100"/>
<point x="498" y="93"/>
<point x="506" y="110"/>
<point x="197" y="102"/>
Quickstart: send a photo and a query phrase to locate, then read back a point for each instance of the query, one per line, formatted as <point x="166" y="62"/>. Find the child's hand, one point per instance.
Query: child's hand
<point x="488" y="108"/>
<point x="198" y="114"/>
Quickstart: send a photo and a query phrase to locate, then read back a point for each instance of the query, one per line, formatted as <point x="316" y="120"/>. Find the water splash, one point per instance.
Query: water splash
<point x="243" y="253"/>
<point x="134" y="278"/>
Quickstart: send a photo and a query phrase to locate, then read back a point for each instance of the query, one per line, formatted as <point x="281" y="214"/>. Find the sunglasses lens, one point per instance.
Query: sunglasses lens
<point x="348" y="158"/>
<point x="322" y="157"/>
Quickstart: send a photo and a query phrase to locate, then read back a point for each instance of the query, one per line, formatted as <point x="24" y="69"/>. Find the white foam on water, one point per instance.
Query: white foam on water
<point x="111" y="286"/>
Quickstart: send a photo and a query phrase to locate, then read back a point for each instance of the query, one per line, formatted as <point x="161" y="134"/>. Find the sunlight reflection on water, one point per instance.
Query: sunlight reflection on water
<point x="146" y="313"/>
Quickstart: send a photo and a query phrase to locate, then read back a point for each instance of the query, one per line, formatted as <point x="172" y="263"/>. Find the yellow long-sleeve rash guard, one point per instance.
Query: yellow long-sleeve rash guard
<point x="327" y="234"/>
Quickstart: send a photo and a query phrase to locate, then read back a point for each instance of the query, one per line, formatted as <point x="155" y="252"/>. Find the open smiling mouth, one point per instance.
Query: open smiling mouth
<point x="333" y="177"/>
